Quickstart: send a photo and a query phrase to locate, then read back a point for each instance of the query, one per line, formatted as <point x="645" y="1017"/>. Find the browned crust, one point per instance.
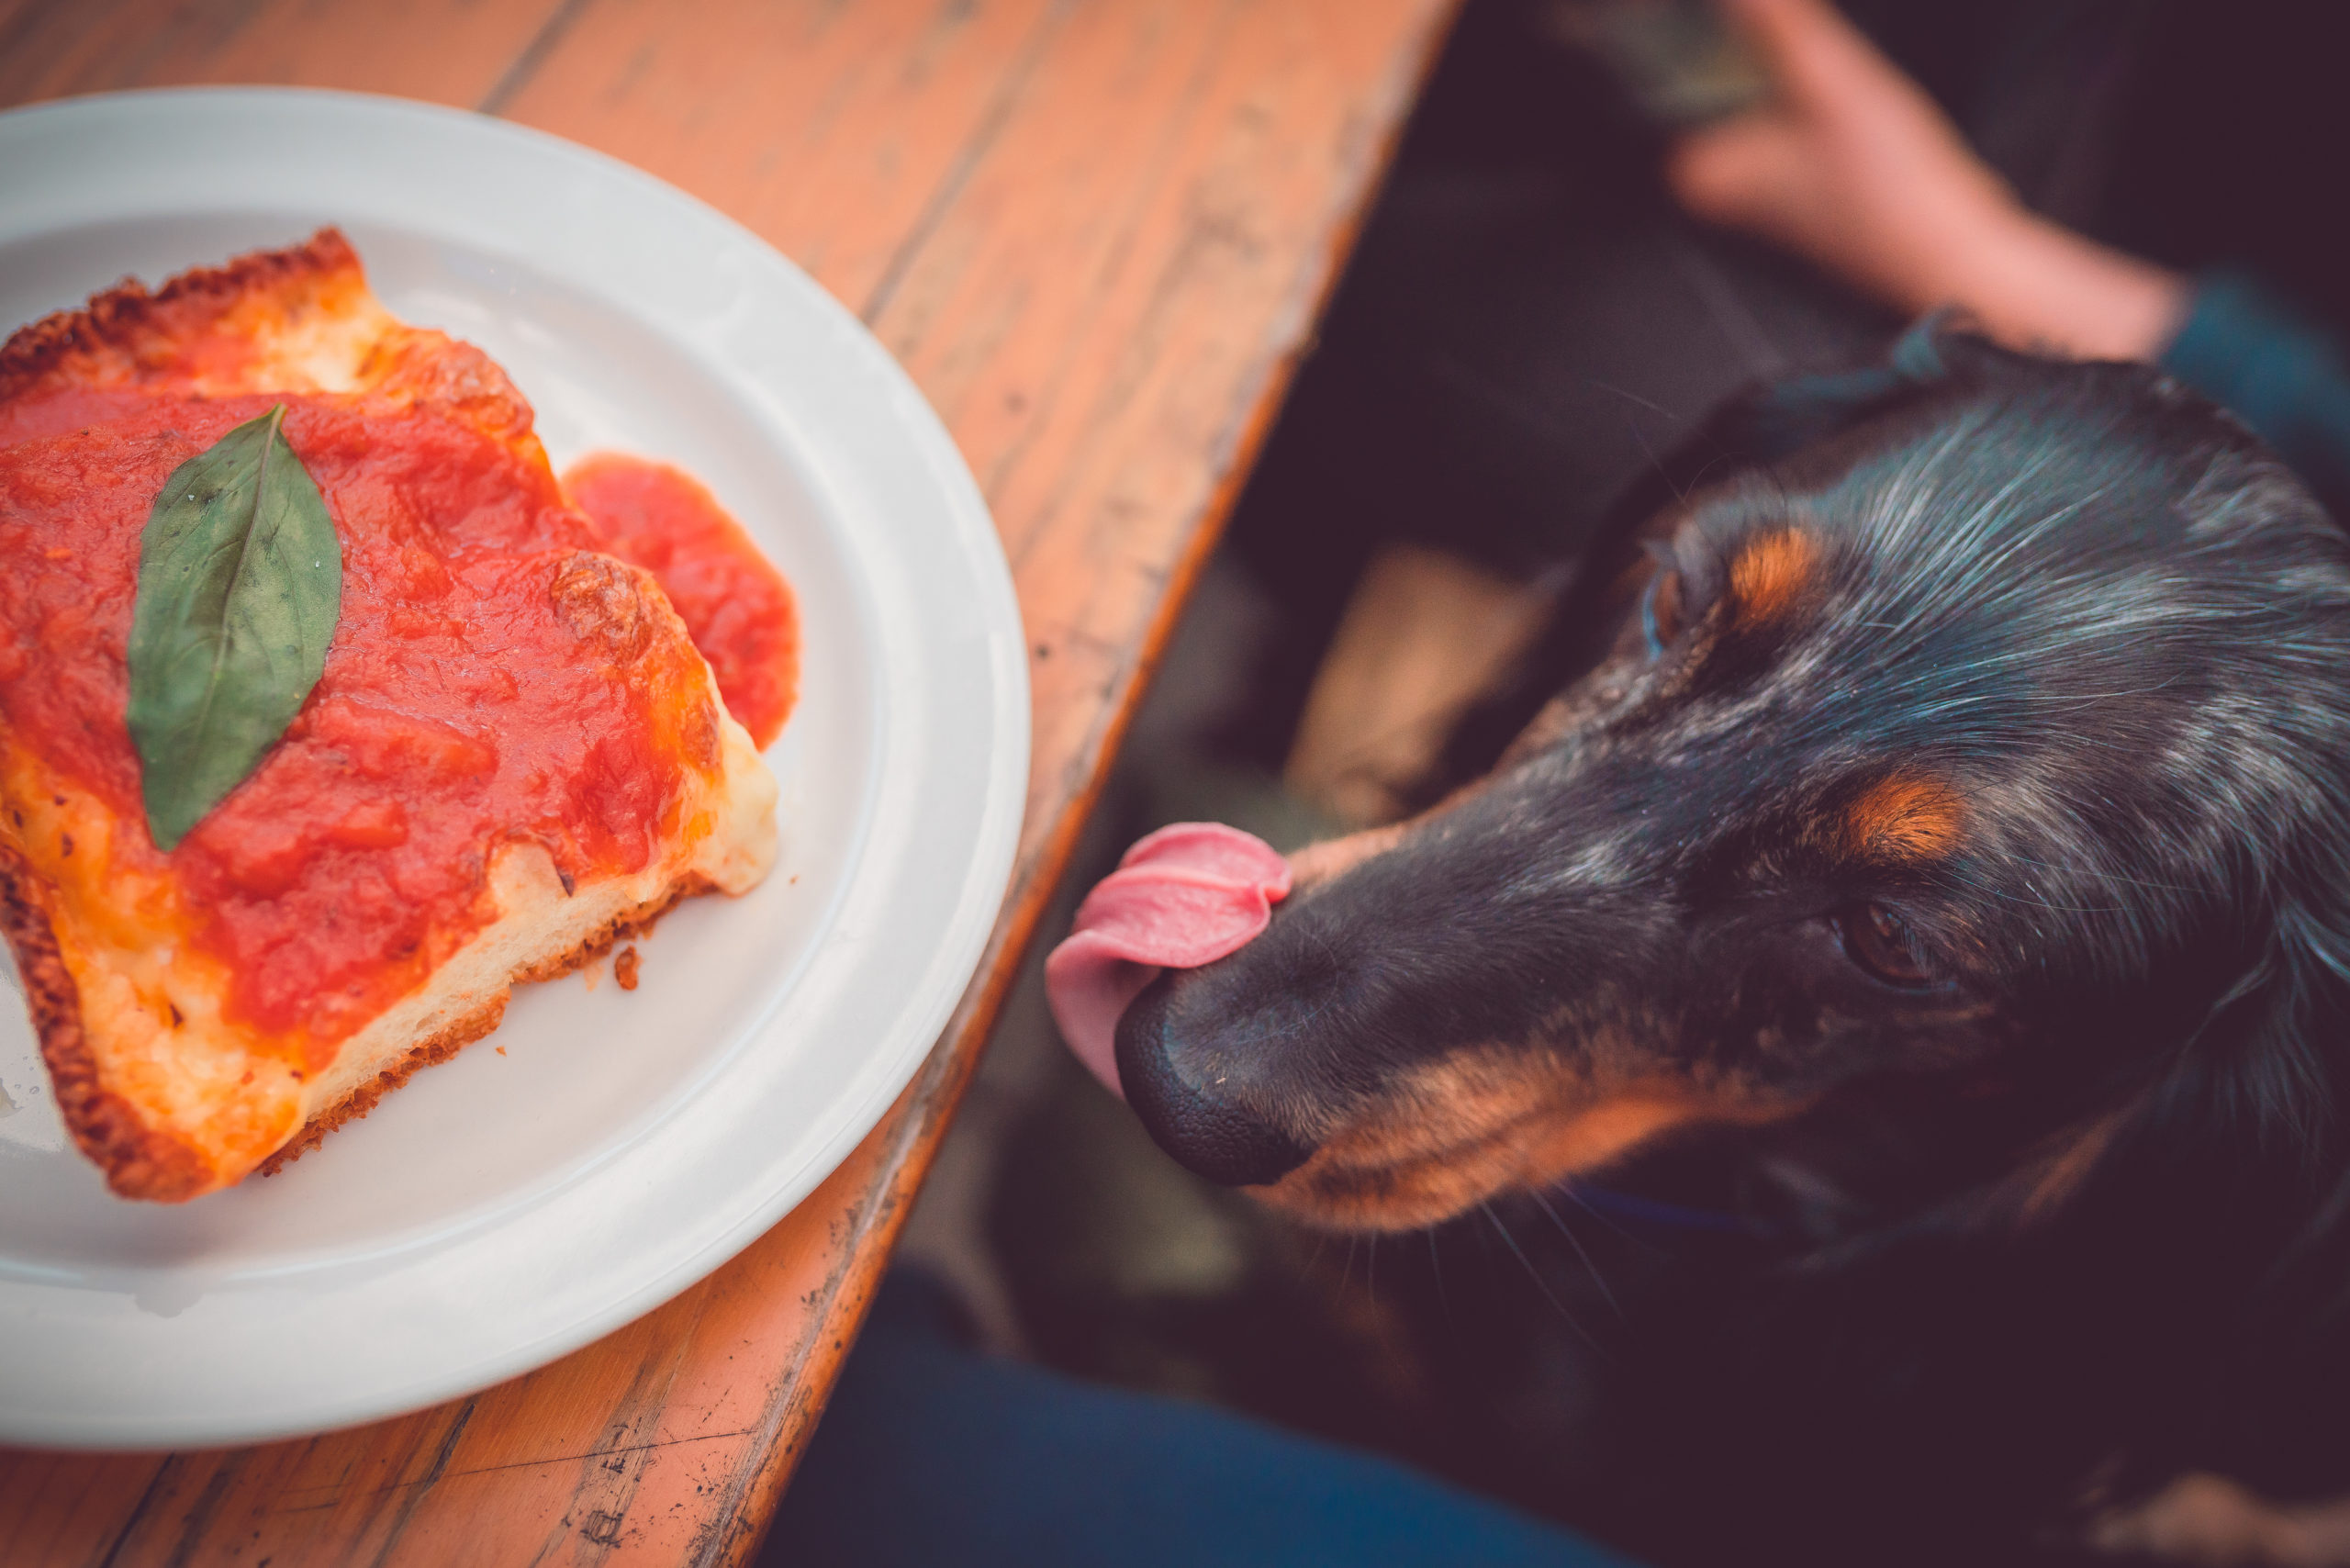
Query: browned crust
<point x="141" y="1161"/>
<point x="440" y="1047"/>
<point x="138" y="1160"/>
<point x="127" y="318"/>
<point x="354" y="1105"/>
<point x="127" y="332"/>
<point x="620" y="928"/>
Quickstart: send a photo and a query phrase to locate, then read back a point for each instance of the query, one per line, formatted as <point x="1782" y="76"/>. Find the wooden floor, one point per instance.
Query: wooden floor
<point x="1097" y="232"/>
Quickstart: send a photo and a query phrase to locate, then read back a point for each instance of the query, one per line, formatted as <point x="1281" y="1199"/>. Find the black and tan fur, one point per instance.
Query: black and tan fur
<point x="1954" y="891"/>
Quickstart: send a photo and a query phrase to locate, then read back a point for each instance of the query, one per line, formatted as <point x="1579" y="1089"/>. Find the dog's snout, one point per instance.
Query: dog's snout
<point x="1219" y="1137"/>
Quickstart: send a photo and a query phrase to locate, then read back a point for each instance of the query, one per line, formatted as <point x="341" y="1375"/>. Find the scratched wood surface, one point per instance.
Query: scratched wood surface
<point x="1096" y="232"/>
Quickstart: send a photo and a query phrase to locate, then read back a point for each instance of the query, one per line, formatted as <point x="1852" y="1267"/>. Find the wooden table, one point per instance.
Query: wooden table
<point x="1097" y="232"/>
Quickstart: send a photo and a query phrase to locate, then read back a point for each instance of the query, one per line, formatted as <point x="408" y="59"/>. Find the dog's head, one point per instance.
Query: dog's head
<point x="1991" y="750"/>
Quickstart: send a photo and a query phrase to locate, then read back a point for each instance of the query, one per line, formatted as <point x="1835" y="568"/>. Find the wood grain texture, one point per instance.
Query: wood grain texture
<point x="1096" y="232"/>
<point x="452" y="52"/>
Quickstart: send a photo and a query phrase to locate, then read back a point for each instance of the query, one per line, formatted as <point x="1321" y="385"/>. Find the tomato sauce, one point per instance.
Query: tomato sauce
<point x="734" y="603"/>
<point x="458" y="708"/>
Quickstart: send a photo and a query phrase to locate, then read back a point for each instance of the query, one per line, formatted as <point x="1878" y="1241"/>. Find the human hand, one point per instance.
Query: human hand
<point x="1852" y="165"/>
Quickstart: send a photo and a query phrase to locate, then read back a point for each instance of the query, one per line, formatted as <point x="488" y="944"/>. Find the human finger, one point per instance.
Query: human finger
<point x="1814" y="55"/>
<point x="1740" y="172"/>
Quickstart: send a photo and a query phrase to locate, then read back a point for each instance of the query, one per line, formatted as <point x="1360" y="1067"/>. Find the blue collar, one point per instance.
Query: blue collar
<point x="1657" y="1214"/>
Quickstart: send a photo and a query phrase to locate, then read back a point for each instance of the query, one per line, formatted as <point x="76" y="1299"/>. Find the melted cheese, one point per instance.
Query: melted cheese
<point x="514" y="757"/>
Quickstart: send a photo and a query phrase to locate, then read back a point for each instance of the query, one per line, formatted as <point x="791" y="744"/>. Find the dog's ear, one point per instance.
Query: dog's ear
<point x="2222" y="1193"/>
<point x="2255" y="1092"/>
<point x="2265" y="1062"/>
<point x="2289" y="1361"/>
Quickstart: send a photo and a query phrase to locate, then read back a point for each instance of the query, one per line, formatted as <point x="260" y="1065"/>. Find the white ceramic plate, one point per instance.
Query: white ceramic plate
<point x="504" y="1209"/>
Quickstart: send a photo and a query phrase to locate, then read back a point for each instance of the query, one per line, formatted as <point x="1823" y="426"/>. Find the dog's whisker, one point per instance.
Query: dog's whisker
<point x="1614" y="390"/>
<point x="1535" y="1275"/>
<point x="2105" y="875"/>
<point x="1574" y="1242"/>
<point x="2031" y="899"/>
<point x="1710" y="463"/>
<point x="1680" y="492"/>
<point x="1567" y="1191"/>
<point x="1950" y="874"/>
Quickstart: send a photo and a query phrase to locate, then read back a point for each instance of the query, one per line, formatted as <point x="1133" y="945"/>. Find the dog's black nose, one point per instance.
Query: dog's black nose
<point x="1219" y="1138"/>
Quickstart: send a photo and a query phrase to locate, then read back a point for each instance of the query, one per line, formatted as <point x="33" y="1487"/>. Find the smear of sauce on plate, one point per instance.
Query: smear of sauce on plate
<point x="735" y="605"/>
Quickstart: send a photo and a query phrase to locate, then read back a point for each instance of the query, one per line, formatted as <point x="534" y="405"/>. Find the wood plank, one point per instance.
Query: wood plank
<point x="853" y="124"/>
<point x="1096" y="232"/>
<point x="68" y="1509"/>
<point x="631" y="1446"/>
<point x="450" y="51"/>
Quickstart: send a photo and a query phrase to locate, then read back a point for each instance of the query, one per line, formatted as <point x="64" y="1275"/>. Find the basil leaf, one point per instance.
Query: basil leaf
<point x="239" y="587"/>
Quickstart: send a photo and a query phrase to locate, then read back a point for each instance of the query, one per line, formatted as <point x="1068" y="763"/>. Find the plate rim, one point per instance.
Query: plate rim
<point x="978" y="893"/>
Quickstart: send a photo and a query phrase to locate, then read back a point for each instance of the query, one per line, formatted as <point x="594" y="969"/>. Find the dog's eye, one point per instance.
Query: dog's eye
<point x="1661" y="610"/>
<point x="1882" y="943"/>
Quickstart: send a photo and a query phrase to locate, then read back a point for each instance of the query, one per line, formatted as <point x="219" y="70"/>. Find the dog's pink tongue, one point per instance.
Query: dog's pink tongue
<point x="1185" y="896"/>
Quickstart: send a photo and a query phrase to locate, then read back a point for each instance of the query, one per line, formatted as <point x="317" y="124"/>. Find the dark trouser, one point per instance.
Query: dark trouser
<point x="934" y="1455"/>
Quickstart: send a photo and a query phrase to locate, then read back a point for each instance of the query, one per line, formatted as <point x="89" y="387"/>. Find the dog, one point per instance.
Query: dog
<point x="1921" y="846"/>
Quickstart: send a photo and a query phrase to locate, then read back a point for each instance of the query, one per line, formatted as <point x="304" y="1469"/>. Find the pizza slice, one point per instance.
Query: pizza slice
<point x="513" y="754"/>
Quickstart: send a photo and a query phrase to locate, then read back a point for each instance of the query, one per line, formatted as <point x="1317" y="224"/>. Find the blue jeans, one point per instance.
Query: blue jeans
<point x="931" y="1454"/>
